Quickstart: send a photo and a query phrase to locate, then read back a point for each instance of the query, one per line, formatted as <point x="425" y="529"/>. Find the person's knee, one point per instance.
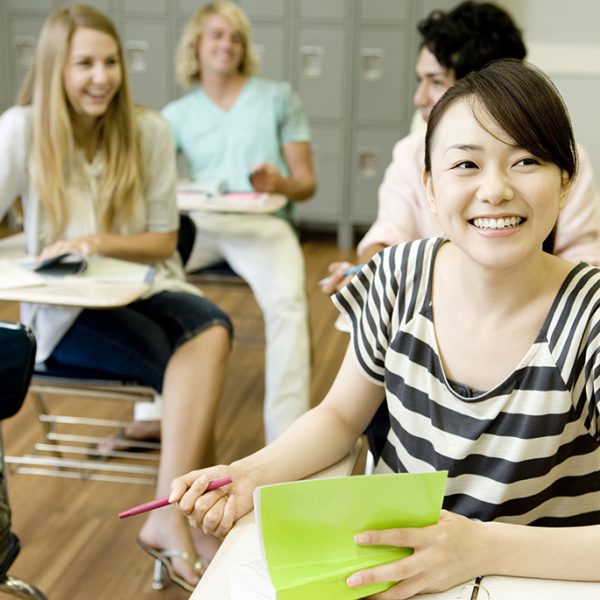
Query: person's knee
<point x="215" y="341"/>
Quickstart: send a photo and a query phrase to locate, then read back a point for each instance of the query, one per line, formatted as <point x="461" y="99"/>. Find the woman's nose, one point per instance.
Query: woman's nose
<point x="100" y="73"/>
<point x="495" y="187"/>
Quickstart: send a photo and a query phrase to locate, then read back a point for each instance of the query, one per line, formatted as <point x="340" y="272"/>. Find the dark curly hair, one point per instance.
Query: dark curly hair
<point x="471" y="35"/>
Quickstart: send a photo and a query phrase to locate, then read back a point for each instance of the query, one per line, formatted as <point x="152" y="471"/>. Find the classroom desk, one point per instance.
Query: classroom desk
<point x="84" y="293"/>
<point x="241" y="544"/>
<point x="189" y="199"/>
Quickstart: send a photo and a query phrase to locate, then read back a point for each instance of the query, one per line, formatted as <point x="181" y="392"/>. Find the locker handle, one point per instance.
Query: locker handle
<point x="259" y="52"/>
<point x="372" y="63"/>
<point x="25" y="50"/>
<point x="312" y="61"/>
<point x="137" y="51"/>
<point x="367" y="162"/>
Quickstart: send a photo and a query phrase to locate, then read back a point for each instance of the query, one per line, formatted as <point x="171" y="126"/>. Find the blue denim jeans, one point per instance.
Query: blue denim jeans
<point x="138" y="340"/>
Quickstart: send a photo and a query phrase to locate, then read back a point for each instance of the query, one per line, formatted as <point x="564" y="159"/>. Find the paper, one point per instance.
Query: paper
<point x="307" y="529"/>
<point x="72" y="267"/>
<point x="14" y="275"/>
<point x="251" y="575"/>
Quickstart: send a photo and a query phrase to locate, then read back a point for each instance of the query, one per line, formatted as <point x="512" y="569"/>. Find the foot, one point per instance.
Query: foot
<point x="138" y="431"/>
<point x="206" y="546"/>
<point x="168" y="530"/>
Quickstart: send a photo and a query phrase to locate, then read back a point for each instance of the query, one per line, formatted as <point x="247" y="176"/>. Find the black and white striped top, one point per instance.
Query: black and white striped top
<point x="527" y="451"/>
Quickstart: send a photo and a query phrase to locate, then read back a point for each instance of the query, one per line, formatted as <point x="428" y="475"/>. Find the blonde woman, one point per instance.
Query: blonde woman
<point x="241" y="133"/>
<point x="97" y="175"/>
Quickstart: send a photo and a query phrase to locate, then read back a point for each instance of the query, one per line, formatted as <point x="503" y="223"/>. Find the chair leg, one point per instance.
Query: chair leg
<point x="17" y="587"/>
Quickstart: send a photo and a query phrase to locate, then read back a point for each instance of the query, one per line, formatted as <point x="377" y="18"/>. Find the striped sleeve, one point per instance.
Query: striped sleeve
<point x="380" y="297"/>
<point x="574" y="339"/>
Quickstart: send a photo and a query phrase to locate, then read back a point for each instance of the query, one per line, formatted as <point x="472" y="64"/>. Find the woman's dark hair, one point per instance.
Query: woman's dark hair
<point x="471" y="35"/>
<point x="523" y="102"/>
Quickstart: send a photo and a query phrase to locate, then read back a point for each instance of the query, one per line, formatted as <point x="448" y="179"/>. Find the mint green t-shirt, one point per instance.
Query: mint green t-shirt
<point x="222" y="147"/>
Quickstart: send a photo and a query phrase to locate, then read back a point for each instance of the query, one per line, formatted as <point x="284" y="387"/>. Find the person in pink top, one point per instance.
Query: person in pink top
<point x="455" y="43"/>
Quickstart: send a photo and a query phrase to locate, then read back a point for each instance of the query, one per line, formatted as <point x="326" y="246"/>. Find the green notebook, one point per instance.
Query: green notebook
<point x="307" y="528"/>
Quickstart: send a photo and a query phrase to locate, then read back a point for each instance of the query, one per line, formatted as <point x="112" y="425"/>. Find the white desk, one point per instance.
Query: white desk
<point x="84" y="293"/>
<point x="189" y="199"/>
<point x="241" y="544"/>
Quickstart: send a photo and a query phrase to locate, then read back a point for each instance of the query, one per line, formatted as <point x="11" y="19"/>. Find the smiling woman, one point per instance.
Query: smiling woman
<point x="96" y="174"/>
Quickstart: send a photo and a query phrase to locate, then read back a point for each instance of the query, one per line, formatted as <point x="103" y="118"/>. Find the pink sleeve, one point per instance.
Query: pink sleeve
<point x="403" y="213"/>
<point x="578" y="231"/>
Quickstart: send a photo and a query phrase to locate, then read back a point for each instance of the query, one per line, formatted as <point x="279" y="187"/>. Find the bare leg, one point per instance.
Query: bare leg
<point x="192" y="388"/>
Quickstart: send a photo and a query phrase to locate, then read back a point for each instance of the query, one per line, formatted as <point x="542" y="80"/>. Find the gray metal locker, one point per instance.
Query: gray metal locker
<point x="322" y="80"/>
<point x="380" y="69"/>
<point x="372" y="153"/>
<point x="384" y="11"/>
<point x="271" y="45"/>
<point x="45" y="6"/>
<point x="258" y="9"/>
<point x="149" y="54"/>
<point x="23" y="30"/>
<point x="322" y="11"/>
<point x="327" y="146"/>
<point x="145" y="7"/>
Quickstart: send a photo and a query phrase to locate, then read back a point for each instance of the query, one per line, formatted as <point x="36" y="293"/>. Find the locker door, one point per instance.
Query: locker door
<point x="271" y="47"/>
<point x="23" y="31"/>
<point x="327" y="158"/>
<point x="264" y="8"/>
<point x="145" y="7"/>
<point x="381" y="67"/>
<point x="384" y="11"/>
<point x="40" y="6"/>
<point x="150" y="61"/>
<point x="372" y="154"/>
<point x="320" y="10"/>
<point x="322" y="83"/>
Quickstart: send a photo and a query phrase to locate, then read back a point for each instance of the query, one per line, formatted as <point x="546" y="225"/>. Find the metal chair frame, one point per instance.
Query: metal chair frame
<point x="68" y="451"/>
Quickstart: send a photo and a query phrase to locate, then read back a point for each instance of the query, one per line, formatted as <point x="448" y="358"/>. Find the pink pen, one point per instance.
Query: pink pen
<point x="160" y="502"/>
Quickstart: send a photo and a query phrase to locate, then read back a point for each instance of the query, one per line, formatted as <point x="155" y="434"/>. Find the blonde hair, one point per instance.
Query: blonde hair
<point x="53" y="142"/>
<point x="186" y="64"/>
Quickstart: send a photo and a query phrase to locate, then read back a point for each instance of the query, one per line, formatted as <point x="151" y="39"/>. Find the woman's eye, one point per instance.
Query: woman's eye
<point x="526" y="162"/>
<point x="465" y="164"/>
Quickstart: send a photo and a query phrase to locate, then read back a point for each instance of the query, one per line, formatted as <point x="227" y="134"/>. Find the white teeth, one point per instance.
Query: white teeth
<point x="502" y="223"/>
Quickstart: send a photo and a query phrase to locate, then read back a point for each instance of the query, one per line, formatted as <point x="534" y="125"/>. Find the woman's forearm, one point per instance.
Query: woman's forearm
<point x="141" y="247"/>
<point x="542" y="552"/>
<point x="317" y="440"/>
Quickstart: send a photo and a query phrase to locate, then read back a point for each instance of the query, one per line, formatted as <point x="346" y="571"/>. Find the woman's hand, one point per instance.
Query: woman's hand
<point x="445" y="554"/>
<point x="214" y="512"/>
<point x="337" y="278"/>
<point x="267" y="179"/>
<point x="86" y="245"/>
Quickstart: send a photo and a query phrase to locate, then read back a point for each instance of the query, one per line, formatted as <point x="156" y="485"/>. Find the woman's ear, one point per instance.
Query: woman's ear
<point x="426" y="177"/>
<point x="565" y="188"/>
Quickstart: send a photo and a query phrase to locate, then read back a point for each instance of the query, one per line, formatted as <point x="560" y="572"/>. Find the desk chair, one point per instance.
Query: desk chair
<point x="70" y="446"/>
<point x="17" y="351"/>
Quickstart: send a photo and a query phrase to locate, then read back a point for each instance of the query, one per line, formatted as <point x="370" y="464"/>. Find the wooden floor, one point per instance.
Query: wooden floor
<point x="73" y="545"/>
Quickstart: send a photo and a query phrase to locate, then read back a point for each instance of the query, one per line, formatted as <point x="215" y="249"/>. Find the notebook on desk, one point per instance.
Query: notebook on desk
<point x="307" y="528"/>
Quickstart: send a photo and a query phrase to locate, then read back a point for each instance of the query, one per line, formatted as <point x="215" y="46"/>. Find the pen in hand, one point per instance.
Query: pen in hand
<point x="160" y="502"/>
<point x="347" y="272"/>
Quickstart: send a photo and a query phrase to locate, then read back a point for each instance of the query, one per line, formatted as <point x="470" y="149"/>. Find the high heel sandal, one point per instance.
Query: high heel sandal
<point x="163" y="567"/>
